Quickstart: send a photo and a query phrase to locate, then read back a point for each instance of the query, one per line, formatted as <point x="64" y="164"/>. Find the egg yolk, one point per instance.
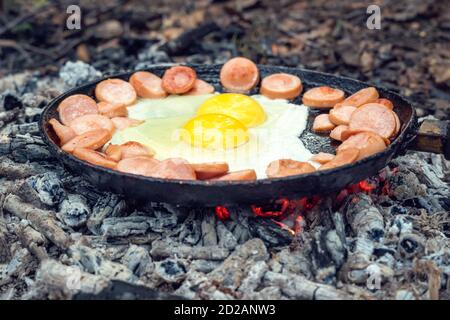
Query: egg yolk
<point x="214" y="131"/>
<point x="239" y="106"/>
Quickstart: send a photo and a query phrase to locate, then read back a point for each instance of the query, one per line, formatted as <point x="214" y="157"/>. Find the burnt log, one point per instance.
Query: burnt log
<point x="298" y="287"/>
<point x="42" y="220"/>
<point x="33" y="240"/>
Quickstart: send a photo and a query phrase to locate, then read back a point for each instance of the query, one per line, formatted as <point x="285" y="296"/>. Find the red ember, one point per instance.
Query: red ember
<point x="284" y="204"/>
<point x="222" y="213"/>
<point x="287" y="214"/>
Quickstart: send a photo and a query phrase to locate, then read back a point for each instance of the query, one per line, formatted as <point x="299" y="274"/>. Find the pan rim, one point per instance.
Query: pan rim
<point x="392" y="149"/>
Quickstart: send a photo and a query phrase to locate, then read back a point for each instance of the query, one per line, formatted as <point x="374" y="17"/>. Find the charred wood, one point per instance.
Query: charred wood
<point x="41" y="220"/>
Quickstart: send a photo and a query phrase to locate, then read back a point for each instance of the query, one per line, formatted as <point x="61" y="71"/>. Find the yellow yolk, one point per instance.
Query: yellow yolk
<point x="214" y="131"/>
<point x="238" y="106"/>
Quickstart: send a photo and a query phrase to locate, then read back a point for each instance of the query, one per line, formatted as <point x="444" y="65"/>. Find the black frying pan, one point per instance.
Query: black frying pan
<point x="432" y="137"/>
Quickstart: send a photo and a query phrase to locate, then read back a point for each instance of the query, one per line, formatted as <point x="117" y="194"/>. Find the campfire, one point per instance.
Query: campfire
<point x="386" y="237"/>
<point x="289" y="214"/>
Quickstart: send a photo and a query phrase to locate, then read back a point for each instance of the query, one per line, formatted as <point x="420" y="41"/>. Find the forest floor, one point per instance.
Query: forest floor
<point x="409" y="54"/>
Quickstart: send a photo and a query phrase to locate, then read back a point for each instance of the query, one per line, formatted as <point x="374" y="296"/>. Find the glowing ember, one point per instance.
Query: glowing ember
<point x="284" y="227"/>
<point x="287" y="214"/>
<point x="367" y="185"/>
<point x="222" y="213"/>
<point x="298" y="224"/>
<point x="288" y="217"/>
<point x="283" y="203"/>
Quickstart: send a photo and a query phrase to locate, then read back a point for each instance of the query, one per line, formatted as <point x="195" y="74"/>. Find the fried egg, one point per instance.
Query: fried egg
<point x="274" y="136"/>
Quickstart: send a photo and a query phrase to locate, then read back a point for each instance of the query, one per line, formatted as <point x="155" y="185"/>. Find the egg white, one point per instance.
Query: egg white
<point x="277" y="138"/>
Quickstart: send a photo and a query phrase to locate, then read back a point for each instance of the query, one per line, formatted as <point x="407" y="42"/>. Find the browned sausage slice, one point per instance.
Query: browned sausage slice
<point x="179" y="79"/>
<point x="343" y="157"/>
<point x="237" y="176"/>
<point x="76" y="106"/>
<point x="348" y="133"/>
<point x="174" y="168"/>
<point x="281" y="86"/>
<point x="91" y="140"/>
<point x="322" y="157"/>
<point x="210" y="170"/>
<point x="112" y="110"/>
<point x="362" y="97"/>
<point x="94" y="157"/>
<point x="322" y="97"/>
<point x="143" y="166"/>
<point x="91" y="122"/>
<point x="322" y="123"/>
<point x="121" y="123"/>
<point x="374" y="117"/>
<point x="200" y="87"/>
<point x="385" y="102"/>
<point x="63" y="132"/>
<point x="341" y="115"/>
<point x="398" y="124"/>
<point x="132" y="149"/>
<point x="287" y="167"/>
<point x="114" y="152"/>
<point x="368" y="144"/>
<point x="336" y="133"/>
<point x="147" y="85"/>
<point x="239" y="75"/>
<point x="116" y="91"/>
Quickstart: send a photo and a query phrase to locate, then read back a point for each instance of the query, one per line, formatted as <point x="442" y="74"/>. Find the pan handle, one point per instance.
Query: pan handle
<point x="433" y="136"/>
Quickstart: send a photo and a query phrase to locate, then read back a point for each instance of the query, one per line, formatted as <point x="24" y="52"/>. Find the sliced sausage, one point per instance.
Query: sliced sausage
<point x="322" y="123"/>
<point x="374" y="117"/>
<point x="239" y="75"/>
<point x="91" y="122"/>
<point x="341" y="115"/>
<point x="116" y="91"/>
<point x="91" y="140"/>
<point x="398" y="124"/>
<point x="287" y="167"/>
<point x="179" y="79"/>
<point x="348" y="133"/>
<point x="64" y="133"/>
<point x="132" y="149"/>
<point x="237" y="176"/>
<point x="94" y="157"/>
<point x="76" y="106"/>
<point x="210" y="170"/>
<point x="147" y="85"/>
<point x="336" y="133"/>
<point x="200" y="87"/>
<point x="322" y="97"/>
<point x="343" y="157"/>
<point x="143" y="166"/>
<point x="173" y="168"/>
<point x="121" y="123"/>
<point x="362" y="97"/>
<point x="281" y="86"/>
<point x="322" y="157"/>
<point x="385" y="102"/>
<point x="114" y="152"/>
<point x="112" y="110"/>
<point x="368" y="143"/>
